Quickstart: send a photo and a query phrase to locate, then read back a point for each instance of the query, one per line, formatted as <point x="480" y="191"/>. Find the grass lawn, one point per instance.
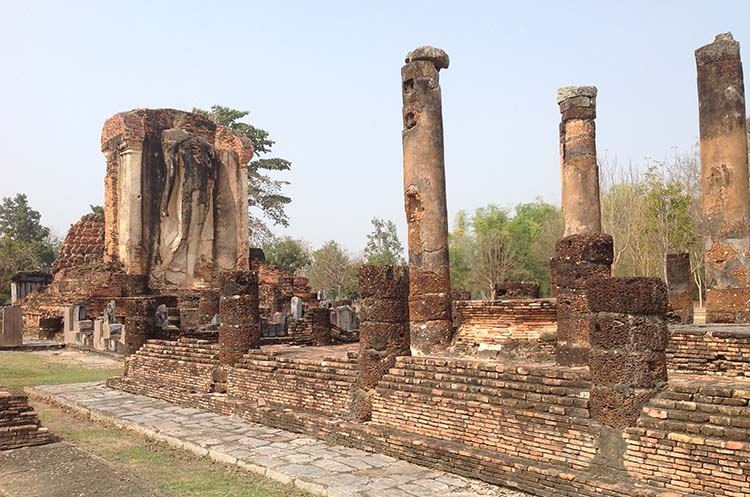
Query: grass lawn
<point x="176" y="472"/>
<point x="22" y="369"/>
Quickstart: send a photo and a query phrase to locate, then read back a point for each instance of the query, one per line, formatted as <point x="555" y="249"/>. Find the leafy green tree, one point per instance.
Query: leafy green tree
<point x="461" y="248"/>
<point x="383" y="245"/>
<point x="533" y="231"/>
<point x="493" y="258"/>
<point x="287" y="254"/>
<point x="24" y="243"/>
<point x="264" y="193"/>
<point x="333" y="271"/>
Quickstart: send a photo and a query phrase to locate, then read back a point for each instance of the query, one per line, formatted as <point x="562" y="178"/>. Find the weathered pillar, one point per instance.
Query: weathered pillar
<point x="578" y="169"/>
<point x="425" y="202"/>
<point x="724" y="180"/>
<point x="139" y="323"/>
<point x="629" y="337"/>
<point x="680" y="287"/>
<point x="239" y="316"/>
<point x="578" y="259"/>
<point x="383" y="330"/>
<point x="320" y="323"/>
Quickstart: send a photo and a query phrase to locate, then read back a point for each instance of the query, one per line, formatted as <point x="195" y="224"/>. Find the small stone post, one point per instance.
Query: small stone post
<point x="680" y="286"/>
<point x="578" y="169"/>
<point x="629" y="337"/>
<point x="239" y="316"/>
<point x="578" y="259"/>
<point x="724" y="180"/>
<point x="383" y="330"/>
<point x="431" y="325"/>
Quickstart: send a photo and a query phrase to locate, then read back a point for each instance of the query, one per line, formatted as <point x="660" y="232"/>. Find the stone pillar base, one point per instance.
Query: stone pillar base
<point x="728" y="305"/>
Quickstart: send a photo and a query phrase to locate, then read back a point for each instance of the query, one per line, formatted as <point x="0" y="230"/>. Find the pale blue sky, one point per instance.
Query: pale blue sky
<point x="323" y="78"/>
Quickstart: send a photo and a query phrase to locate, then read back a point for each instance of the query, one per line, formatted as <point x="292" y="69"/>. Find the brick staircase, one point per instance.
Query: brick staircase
<point x="176" y="371"/>
<point x="19" y="425"/>
<point x="696" y="418"/>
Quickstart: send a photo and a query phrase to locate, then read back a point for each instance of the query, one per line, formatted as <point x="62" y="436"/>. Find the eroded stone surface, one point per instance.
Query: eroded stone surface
<point x="310" y="464"/>
<point x="425" y="202"/>
<point x="724" y="172"/>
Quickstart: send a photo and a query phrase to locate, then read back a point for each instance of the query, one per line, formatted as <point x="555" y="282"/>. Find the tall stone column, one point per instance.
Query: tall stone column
<point x="724" y="180"/>
<point x="578" y="168"/>
<point x="431" y="325"/>
<point x="239" y="315"/>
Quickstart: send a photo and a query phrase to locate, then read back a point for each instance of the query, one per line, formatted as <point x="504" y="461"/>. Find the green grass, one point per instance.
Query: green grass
<point x="173" y="471"/>
<point x="22" y="369"/>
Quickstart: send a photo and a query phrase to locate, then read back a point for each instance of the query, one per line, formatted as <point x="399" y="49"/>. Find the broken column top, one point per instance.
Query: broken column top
<point x="585" y="92"/>
<point x="435" y="55"/>
<point x="723" y="46"/>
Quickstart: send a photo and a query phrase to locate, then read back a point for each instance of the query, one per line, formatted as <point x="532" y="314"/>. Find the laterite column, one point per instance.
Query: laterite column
<point x="629" y="337"/>
<point x="680" y="287"/>
<point x="383" y="330"/>
<point x="578" y="259"/>
<point x="724" y="180"/>
<point x="239" y="316"/>
<point x="578" y="169"/>
<point x="431" y="325"/>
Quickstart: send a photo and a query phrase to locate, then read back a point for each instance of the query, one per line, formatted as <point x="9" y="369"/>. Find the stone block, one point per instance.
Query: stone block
<point x="11" y="326"/>
<point x="595" y="248"/>
<point x="628" y="295"/>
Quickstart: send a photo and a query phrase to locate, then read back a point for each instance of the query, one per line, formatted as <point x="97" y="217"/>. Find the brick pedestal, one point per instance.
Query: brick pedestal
<point x="139" y="323"/>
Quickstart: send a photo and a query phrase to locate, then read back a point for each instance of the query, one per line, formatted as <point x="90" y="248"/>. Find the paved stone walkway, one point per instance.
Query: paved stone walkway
<point x="310" y="464"/>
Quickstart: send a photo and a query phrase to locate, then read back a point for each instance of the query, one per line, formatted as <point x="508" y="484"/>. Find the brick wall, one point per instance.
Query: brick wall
<point x="504" y="324"/>
<point x="318" y="385"/>
<point x="715" y="349"/>
<point x="537" y="413"/>
<point x="19" y="425"/>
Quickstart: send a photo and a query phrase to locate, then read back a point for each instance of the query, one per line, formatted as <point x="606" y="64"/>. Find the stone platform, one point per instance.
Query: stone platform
<point x="310" y="464"/>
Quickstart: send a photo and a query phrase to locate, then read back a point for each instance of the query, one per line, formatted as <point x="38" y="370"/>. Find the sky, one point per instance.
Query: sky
<point x="324" y="79"/>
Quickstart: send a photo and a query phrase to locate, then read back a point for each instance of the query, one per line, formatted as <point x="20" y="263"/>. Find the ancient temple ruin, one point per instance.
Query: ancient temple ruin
<point x="588" y="393"/>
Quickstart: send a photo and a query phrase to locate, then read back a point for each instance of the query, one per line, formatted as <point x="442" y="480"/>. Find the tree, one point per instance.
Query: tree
<point x="24" y="243"/>
<point x="493" y="260"/>
<point x="461" y="249"/>
<point x="533" y="231"/>
<point x="333" y="271"/>
<point x="18" y="221"/>
<point x="287" y="254"/>
<point x="264" y="192"/>
<point x="383" y="245"/>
